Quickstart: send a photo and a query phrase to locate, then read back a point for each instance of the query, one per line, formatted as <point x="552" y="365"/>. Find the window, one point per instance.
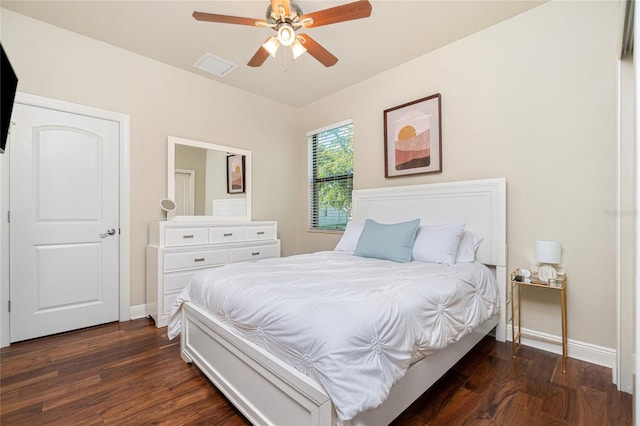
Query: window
<point x="330" y="176"/>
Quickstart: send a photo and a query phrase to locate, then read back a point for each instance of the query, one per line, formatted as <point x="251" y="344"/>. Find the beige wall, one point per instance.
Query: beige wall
<point x="162" y="101"/>
<point x="532" y="99"/>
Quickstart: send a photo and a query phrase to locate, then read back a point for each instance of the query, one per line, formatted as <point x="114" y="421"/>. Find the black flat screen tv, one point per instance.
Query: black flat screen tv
<point x="8" y="94"/>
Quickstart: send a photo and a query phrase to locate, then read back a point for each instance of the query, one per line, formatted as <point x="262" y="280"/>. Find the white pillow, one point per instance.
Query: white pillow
<point x="438" y="243"/>
<point x="350" y="237"/>
<point x="469" y="244"/>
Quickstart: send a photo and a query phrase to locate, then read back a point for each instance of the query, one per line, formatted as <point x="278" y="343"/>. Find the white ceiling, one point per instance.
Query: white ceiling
<point x="396" y="32"/>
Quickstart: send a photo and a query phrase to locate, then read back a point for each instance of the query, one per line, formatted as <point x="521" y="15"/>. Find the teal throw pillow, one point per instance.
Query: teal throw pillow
<point x="387" y="241"/>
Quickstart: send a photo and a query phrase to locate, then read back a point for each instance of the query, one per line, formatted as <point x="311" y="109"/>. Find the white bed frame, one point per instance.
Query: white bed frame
<point x="268" y="391"/>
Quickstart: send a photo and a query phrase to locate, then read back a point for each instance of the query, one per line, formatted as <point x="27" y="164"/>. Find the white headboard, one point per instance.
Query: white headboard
<point x="481" y="204"/>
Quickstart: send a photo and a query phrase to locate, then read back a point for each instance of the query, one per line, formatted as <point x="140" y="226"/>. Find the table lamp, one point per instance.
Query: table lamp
<point x="548" y="253"/>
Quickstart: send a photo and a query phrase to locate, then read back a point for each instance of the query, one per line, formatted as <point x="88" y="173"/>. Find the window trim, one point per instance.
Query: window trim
<point x="329" y="127"/>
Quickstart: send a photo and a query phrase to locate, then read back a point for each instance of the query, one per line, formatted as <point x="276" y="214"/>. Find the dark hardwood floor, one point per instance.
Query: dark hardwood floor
<point x="131" y="374"/>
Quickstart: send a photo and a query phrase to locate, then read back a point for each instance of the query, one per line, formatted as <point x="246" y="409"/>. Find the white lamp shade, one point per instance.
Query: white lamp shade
<point x="548" y="251"/>
<point x="271" y="46"/>
<point x="297" y="49"/>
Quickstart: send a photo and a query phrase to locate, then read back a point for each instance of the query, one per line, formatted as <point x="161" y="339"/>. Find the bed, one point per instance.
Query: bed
<point x="259" y="377"/>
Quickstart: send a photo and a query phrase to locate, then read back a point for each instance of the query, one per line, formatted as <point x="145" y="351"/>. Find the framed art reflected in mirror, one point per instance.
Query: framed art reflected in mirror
<point x="235" y="174"/>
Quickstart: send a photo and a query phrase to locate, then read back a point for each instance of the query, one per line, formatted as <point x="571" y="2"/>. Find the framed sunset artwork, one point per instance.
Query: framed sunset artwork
<point x="413" y="138"/>
<point x="235" y="174"/>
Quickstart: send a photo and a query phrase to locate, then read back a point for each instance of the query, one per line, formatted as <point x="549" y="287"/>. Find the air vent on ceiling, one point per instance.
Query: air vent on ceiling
<point x="214" y="64"/>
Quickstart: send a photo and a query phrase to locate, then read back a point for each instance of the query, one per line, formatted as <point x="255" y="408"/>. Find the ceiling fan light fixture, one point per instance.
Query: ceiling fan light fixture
<point x="286" y="34"/>
<point x="297" y="49"/>
<point x="286" y="18"/>
<point x="271" y="46"/>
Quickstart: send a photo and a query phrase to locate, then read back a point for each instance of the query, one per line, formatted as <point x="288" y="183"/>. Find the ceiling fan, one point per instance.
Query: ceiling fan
<point x="286" y="17"/>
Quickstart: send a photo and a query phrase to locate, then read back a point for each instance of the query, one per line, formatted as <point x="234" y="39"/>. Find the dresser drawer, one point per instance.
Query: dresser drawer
<point x="186" y="236"/>
<point x="253" y="253"/>
<point x="194" y="259"/>
<point x="226" y="234"/>
<point x="168" y="302"/>
<point x="176" y="281"/>
<point x="260" y="233"/>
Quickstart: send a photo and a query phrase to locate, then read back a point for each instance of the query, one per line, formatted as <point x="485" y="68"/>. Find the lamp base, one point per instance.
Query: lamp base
<point x="547" y="272"/>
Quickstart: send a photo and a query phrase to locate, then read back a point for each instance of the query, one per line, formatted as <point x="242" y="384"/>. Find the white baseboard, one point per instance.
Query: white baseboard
<point x="588" y="352"/>
<point x="139" y="311"/>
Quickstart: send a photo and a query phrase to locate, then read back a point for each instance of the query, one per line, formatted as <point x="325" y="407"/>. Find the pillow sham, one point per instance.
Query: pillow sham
<point x="350" y="237"/>
<point x="438" y="243"/>
<point x="387" y="241"/>
<point x="468" y="247"/>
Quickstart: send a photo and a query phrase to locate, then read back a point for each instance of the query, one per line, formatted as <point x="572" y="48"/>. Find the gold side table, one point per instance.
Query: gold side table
<point x="558" y="284"/>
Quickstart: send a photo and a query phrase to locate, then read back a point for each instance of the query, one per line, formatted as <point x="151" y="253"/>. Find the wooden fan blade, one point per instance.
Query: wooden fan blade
<point x="347" y="12"/>
<point x="226" y="19"/>
<point x="259" y="57"/>
<point x="321" y="54"/>
<point x="285" y="5"/>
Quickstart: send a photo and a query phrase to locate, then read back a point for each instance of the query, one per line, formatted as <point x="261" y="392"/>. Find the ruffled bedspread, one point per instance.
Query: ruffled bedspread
<point x="354" y="324"/>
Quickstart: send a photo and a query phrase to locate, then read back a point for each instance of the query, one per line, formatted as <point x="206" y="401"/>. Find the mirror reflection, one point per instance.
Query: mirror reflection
<point x="203" y="180"/>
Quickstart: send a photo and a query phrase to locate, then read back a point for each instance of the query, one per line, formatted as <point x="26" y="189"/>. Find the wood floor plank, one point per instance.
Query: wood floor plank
<point x="459" y="409"/>
<point x="67" y="393"/>
<point x="522" y="406"/>
<point x="29" y="415"/>
<point x="582" y="373"/>
<point x="619" y="407"/>
<point x="592" y="406"/>
<point x="485" y="373"/>
<point x="56" y="391"/>
<point x="428" y="406"/>
<point x="560" y="402"/>
<point x="54" y="350"/>
<point x="27" y="379"/>
<point x="131" y="374"/>
<point x="469" y="363"/>
<point x="179" y="406"/>
<point x="140" y="410"/>
<point x="497" y="402"/>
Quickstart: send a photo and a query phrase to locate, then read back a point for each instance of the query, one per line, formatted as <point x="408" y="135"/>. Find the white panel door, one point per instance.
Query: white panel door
<point x="185" y="193"/>
<point x="64" y="226"/>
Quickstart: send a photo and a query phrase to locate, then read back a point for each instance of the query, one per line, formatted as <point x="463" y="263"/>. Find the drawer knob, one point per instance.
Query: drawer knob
<point x="228" y="235"/>
<point x="255" y="253"/>
<point x="199" y="259"/>
<point x="187" y="236"/>
<point x="260" y="232"/>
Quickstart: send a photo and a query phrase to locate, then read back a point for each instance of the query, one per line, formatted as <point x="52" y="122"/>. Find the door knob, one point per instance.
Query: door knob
<point x="110" y="231"/>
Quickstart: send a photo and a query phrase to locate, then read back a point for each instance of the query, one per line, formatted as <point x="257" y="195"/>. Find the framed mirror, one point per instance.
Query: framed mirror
<point x="208" y="181"/>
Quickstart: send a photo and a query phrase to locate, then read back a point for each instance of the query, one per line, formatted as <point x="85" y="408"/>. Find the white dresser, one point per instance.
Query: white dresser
<point x="177" y="249"/>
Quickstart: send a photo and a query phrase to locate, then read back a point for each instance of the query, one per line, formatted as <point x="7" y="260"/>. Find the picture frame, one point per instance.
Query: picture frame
<point x="413" y="138"/>
<point x="235" y="174"/>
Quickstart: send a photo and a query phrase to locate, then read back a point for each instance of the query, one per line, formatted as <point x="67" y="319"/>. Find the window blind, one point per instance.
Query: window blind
<point x="331" y="176"/>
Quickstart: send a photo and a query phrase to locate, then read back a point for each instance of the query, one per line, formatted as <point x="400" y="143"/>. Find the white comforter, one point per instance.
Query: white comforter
<point x="354" y="324"/>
